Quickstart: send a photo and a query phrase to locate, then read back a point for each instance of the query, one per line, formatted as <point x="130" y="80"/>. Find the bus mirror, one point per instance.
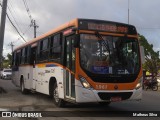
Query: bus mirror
<point x="76" y="40"/>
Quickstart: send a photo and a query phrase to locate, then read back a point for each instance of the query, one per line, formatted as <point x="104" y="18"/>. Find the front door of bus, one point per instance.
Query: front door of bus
<point x="69" y="73"/>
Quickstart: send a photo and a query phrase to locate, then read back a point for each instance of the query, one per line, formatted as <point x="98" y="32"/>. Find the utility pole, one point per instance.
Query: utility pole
<point x="2" y="29"/>
<point x="11" y="44"/>
<point x="35" y="26"/>
<point x="128" y="11"/>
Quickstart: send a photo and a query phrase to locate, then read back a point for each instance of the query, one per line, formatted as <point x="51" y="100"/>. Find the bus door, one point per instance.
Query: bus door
<point x="33" y="62"/>
<point x="69" y="72"/>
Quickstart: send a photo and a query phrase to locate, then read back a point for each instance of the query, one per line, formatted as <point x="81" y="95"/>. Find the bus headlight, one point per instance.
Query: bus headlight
<point x="84" y="82"/>
<point x="139" y="84"/>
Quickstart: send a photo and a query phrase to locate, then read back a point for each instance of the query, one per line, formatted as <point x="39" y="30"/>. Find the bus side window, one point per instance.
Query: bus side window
<point x="26" y="55"/>
<point x="22" y="56"/>
<point x="32" y="57"/>
<point x="29" y="54"/>
<point x="16" y="59"/>
<point x="55" y="48"/>
<point x="43" y="50"/>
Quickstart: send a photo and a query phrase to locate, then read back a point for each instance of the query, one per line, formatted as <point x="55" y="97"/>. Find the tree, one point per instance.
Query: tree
<point x="152" y="58"/>
<point x="7" y="61"/>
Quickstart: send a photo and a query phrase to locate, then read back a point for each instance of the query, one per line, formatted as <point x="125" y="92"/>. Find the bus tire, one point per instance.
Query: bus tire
<point x="57" y="101"/>
<point x="23" y="89"/>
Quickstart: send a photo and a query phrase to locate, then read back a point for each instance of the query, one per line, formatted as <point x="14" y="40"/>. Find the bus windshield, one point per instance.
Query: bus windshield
<point x="109" y="55"/>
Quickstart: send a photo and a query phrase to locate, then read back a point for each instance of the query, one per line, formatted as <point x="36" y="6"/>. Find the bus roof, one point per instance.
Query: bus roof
<point x="74" y="22"/>
<point x="96" y="25"/>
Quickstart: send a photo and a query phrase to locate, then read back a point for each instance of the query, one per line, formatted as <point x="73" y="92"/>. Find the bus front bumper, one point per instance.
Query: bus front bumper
<point x="90" y="95"/>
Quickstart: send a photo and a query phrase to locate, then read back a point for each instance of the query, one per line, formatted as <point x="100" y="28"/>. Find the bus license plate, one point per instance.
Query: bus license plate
<point x="115" y="99"/>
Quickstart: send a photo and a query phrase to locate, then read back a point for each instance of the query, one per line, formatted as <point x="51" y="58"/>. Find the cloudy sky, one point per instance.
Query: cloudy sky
<point x="144" y="14"/>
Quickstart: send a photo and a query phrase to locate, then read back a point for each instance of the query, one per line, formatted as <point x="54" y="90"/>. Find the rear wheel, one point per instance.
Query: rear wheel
<point x="57" y="101"/>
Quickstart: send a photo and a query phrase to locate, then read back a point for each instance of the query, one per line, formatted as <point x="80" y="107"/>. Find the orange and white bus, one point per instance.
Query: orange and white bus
<point x="82" y="61"/>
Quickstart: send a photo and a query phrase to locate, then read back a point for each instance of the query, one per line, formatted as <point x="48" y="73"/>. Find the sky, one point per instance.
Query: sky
<point x="50" y="14"/>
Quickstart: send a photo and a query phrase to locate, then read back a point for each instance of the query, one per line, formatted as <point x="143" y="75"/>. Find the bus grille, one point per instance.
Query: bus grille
<point x="108" y="96"/>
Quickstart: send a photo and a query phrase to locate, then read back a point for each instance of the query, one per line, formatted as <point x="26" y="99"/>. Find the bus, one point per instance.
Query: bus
<point x="84" y="60"/>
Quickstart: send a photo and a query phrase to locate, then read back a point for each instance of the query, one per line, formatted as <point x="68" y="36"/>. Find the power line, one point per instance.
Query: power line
<point x="33" y="22"/>
<point x="14" y="12"/>
<point x="27" y="9"/>
<point x="14" y="26"/>
<point x="27" y="29"/>
<point x="14" y="18"/>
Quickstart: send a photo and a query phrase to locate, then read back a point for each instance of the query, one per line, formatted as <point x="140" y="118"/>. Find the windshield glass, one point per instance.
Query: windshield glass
<point x="109" y="55"/>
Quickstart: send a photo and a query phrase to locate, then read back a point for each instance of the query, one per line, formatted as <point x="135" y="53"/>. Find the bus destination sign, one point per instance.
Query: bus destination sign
<point x="108" y="27"/>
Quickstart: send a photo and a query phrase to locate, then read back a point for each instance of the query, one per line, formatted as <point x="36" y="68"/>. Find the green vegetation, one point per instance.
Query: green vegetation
<point x="152" y="61"/>
<point x="7" y="61"/>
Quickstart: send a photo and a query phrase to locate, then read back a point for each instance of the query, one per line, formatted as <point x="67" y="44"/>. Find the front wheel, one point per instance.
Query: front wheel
<point x="57" y="101"/>
<point x="155" y="87"/>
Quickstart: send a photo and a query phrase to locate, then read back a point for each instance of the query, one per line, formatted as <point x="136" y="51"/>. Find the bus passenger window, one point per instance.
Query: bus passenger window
<point x="55" y="48"/>
<point x="43" y="50"/>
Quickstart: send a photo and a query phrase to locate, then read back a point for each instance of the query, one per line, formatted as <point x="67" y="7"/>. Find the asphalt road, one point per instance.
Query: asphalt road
<point x="11" y="99"/>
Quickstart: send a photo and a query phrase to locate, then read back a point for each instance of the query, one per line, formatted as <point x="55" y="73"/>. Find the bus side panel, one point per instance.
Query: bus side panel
<point x="15" y="77"/>
<point x="42" y="79"/>
<point x="60" y="82"/>
<point x="44" y="73"/>
<point x="25" y="71"/>
<point x="84" y="95"/>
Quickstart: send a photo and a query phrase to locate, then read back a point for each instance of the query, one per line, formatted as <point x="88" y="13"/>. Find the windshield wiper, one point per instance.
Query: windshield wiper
<point x="103" y="41"/>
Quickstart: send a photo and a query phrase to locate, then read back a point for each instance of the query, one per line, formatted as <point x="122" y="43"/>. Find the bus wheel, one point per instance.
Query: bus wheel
<point x="23" y="90"/>
<point x="57" y="101"/>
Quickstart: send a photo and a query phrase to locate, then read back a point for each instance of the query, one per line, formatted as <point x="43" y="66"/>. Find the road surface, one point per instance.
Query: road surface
<point x="11" y="99"/>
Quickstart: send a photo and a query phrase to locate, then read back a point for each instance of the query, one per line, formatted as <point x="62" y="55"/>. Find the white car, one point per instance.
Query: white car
<point x="6" y="74"/>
